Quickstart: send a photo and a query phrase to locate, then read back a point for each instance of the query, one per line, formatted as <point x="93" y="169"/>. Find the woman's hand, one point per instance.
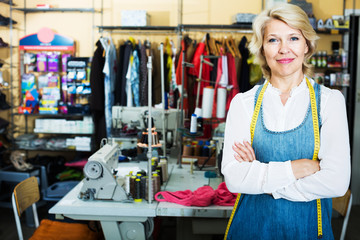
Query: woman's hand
<point x="243" y="152"/>
<point x="304" y="167"/>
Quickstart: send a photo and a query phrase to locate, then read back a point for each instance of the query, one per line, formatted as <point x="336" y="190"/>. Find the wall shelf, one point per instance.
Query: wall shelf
<point x="36" y="10"/>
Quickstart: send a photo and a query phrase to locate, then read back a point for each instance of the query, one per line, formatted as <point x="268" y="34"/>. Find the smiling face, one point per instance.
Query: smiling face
<point x="284" y="49"/>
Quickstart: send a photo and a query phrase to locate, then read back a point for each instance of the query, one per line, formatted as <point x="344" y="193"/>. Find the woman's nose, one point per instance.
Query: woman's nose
<point x="284" y="47"/>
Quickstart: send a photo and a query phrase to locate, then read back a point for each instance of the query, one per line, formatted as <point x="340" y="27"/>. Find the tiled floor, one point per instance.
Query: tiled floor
<point x="165" y="227"/>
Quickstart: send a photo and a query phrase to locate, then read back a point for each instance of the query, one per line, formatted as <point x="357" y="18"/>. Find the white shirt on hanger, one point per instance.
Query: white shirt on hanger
<point x="277" y="178"/>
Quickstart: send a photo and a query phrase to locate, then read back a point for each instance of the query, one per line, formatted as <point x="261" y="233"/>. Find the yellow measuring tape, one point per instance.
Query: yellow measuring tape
<point x="316" y="148"/>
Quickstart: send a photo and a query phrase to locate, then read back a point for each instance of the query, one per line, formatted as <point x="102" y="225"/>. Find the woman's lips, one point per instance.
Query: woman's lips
<point x="285" y="60"/>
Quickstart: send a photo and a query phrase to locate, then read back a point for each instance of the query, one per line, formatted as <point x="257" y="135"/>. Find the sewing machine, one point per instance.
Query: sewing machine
<point x="136" y="116"/>
<point x="100" y="181"/>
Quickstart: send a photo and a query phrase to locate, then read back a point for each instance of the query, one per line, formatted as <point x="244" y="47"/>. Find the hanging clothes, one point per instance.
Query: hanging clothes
<point x="109" y="81"/>
<point x="128" y="90"/>
<point x="244" y="79"/>
<point x="125" y="67"/>
<point x="232" y="80"/>
<point x="180" y="75"/>
<point x="224" y="79"/>
<point x="134" y="79"/>
<point x="118" y="84"/>
<point x="143" y="81"/>
<point x="97" y="94"/>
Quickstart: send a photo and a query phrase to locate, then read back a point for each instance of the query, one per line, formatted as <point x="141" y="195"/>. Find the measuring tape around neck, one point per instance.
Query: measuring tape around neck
<point x="316" y="147"/>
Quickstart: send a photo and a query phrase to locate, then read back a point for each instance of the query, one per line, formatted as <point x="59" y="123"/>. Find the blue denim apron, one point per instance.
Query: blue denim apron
<point x="263" y="217"/>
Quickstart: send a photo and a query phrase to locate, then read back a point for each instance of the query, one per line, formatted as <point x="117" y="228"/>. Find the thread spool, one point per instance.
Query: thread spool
<point x="137" y="190"/>
<point x="132" y="186"/>
<point x="156" y="182"/>
<point x="197" y="150"/>
<point x="187" y="150"/>
<point x="164" y="165"/>
<point x="205" y="151"/>
<point x="143" y="187"/>
<point x="147" y="189"/>
<point x="193" y="124"/>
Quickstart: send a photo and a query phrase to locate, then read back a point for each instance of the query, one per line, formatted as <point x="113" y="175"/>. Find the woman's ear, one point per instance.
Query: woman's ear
<point x="306" y="48"/>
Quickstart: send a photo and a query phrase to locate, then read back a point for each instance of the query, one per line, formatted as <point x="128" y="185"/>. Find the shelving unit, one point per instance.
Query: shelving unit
<point x="14" y="87"/>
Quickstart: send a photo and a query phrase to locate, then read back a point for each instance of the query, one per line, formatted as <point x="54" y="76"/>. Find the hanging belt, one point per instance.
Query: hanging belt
<point x="316" y="147"/>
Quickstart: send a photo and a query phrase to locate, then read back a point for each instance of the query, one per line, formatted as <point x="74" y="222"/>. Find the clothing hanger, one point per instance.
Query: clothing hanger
<point x="229" y="47"/>
<point x="237" y="52"/>
<point x="210" y="43"/>
<point x="103" y="44"/>
<point x="132" y="40"/>
<point x="219" y="47"/>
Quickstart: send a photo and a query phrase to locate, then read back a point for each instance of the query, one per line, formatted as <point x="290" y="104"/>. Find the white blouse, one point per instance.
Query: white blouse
<point x="277" y="178"/>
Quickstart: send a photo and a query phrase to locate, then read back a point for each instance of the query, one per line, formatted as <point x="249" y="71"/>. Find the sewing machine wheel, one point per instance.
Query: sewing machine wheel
<point x="93" y="169"/>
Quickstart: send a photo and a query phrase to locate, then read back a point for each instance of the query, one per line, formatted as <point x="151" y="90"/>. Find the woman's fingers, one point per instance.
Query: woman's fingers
<point x="249" y="147"/>
<point x="244" y="152"/>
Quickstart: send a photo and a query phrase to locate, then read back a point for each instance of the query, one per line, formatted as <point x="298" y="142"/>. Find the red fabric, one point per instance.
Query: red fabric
<point x="223" y="197"/>
<point x="179" y="67"/>
<point x="232" y="80"/>
<point x="206" y="69"/>
<point x="179" y="76"/>
<point x="218" y="77"/>
<point x="202" y="197"/>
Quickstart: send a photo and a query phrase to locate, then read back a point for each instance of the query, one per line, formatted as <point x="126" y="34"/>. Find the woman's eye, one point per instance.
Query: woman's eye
<point x="272" y="40"/>
<point x="294" y="38"/>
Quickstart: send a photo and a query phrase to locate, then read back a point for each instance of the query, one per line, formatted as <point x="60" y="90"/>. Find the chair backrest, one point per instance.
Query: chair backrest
<point x="26" y="193"/>
<point x="341" y="204"/>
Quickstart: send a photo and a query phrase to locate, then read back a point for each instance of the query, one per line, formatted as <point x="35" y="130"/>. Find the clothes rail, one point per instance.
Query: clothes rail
<point x="139" y="32"/>
<point x="239" y="28"/>
<point x="218" y="31"/>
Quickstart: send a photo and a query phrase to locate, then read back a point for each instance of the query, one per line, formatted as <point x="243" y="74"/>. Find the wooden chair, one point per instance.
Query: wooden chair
<point x="26" y="194"/>
<point x="343" y="206"/>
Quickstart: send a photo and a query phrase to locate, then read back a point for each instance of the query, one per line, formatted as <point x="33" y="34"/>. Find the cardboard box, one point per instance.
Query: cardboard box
<point x="135" y="18"/>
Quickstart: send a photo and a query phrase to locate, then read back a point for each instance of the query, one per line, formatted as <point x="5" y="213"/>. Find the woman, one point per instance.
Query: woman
<point x="286" y="147"/>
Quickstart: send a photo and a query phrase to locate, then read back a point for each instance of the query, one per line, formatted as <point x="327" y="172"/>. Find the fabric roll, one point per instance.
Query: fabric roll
<point x="220" y="102"/>
<point x="207" y="102"/>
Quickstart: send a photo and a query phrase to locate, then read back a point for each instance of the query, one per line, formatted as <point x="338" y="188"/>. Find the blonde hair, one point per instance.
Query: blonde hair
<point x="293" y="16"/>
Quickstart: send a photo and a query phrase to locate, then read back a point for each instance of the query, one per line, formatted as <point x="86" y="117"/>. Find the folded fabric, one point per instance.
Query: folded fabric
<point x="202" y="197"/>
<point x="223" y="197"/>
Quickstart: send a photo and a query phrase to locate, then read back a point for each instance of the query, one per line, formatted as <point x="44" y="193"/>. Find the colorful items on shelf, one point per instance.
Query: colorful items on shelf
<point x="51" y="78"/>
<point x="44" y="125"/>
